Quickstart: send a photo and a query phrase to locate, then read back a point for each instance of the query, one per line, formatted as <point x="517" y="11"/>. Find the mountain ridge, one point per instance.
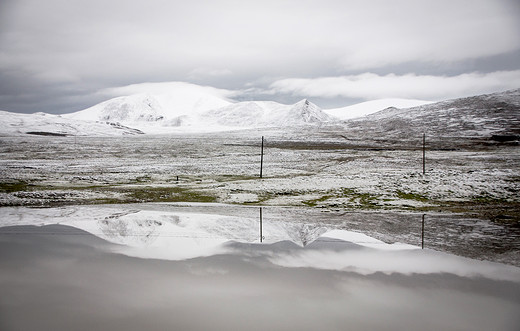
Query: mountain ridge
<point x="198" y="111"/>
<point x="481" y="115"/>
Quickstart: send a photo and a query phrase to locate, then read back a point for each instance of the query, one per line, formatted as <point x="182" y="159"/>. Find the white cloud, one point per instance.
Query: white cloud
<point x="371" y="86"/>
<point x="166" y="88"/>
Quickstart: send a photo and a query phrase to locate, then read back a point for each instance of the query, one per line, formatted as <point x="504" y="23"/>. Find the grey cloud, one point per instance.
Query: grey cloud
<point x="372" y="86"/>
<point x="89" y="46"/>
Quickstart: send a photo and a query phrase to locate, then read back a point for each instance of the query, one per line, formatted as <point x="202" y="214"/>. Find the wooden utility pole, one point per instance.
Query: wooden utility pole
<point x="422" y="232"/>
<point x="424" y="153"/>
<point x="262" y="157"/>
<point x="261" y="235"/>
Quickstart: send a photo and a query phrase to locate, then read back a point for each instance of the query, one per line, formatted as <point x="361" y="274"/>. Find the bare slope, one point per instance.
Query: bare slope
<point x="494" y="116"/>
<point x="373" y="106"/>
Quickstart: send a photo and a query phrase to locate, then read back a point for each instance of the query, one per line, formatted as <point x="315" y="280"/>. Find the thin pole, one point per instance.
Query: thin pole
<point x="424" y="153"/>
<point x="422" y="232"/>
<point x="261" y="236"/>
<point x="262" y="158"/>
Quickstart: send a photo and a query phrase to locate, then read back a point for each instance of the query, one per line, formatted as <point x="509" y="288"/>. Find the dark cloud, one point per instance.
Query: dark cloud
<point x="56" y="55"/>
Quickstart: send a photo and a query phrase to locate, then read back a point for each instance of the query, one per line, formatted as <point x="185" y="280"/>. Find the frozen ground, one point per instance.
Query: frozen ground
<point x="469" y="192"/>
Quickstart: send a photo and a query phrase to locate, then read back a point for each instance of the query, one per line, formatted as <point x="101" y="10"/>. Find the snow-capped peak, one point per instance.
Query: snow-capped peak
<point x="169" y="103"/>
<point x="305" y="111"/>
<point x="139" y="107"/>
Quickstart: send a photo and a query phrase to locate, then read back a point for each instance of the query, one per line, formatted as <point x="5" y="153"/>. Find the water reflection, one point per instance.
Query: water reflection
<point x="217" y="275"/>
<point x="180" y="234"/>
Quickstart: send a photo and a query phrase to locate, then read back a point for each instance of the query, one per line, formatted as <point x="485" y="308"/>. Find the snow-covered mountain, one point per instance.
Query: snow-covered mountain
<point x="488" y="115"/>
<point x="373" y="106"/>
<point x="268" y="114"/>
<point x="165" y="114"/>
<point x="14" y="124"/>
<point x="180" y="107"/>
<point x="245" y="114"/>
<point x="166" y="106"/>
<point x="133" y="108"/>
<point x="304" y="112"/>
<point x="189" y="107"/>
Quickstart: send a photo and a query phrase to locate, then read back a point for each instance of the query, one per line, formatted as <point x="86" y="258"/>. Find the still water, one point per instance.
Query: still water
<point x="127" y="268"/>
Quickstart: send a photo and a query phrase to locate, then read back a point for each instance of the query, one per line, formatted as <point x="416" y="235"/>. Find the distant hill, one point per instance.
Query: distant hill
<point x="191" y="107"/>
<point x="495" y="116"/>
<point x="373" y="106"/>
<point x="255" y="114"/>
<point x="165" y="108"/>
<point x="41" y="124"/>
<point x="187" y="107"/>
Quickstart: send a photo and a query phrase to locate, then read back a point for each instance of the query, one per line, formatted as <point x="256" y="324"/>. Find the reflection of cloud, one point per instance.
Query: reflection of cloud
<point x="369" y="261"/>
<point x="373" y="86"/>
<point x="179" y="235"/>
<point x="79" y="287"/>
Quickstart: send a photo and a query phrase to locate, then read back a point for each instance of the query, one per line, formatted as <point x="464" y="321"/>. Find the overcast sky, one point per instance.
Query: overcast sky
<point x="65" y="55"/>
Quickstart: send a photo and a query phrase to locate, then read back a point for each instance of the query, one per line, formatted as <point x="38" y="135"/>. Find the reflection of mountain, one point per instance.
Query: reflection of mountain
<point x="144" y="229"/>
<point x="306" y="233"/>
<point x="177" y="235"/>
<point x="144" y="232"/>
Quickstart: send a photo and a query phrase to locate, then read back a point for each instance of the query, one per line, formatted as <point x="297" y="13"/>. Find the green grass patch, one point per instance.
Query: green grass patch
<point x="167" y="194"/>
<point x="232" y="178"/>
<point x="487" y="199"/>
<point x="14" y="186"/>
<point x="314" y="202"/>
<point x="268" y="195"/>
<point x="360" y="200"/>
<point x="143" y="179"/>
<point x="411" y="196"/>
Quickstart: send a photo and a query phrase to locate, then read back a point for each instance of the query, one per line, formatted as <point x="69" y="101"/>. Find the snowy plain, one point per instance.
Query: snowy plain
<point x="108" y="228"/>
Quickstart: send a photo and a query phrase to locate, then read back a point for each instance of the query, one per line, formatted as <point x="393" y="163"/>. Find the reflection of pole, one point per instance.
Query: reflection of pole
<point x="261" y="236"/>
<point x="262" y="158"/>
<point x="422" y="232"/>
<point x="424" y="153"/>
